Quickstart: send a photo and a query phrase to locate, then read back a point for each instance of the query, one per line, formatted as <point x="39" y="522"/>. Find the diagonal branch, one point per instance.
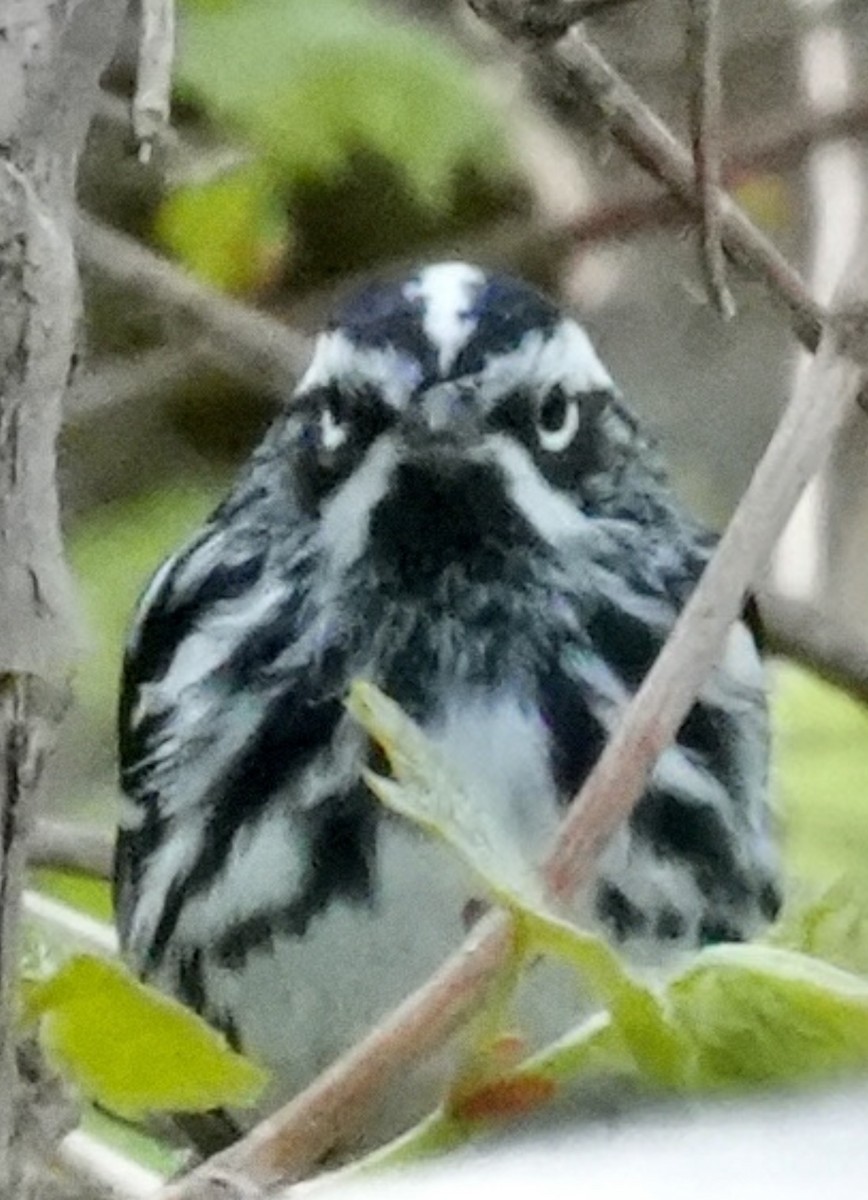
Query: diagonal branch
<point x="252" y="344"/>
<point x="67" y="846"/>
<point x="822" y="402"/>
<point x="547" y="20"/>
<point x="584" y="70"/>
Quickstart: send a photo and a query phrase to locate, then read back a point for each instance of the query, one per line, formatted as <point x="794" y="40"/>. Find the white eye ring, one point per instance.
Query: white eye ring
<point x="555" y="440"/>
<point x="332" y="433"/>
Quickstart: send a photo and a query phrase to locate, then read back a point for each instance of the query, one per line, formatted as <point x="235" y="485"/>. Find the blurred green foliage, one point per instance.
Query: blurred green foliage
<point x="821" y="776"/>
<point x="310" y="90"/>
<point x="230" y="231"/>
<point x="92" y="896"/>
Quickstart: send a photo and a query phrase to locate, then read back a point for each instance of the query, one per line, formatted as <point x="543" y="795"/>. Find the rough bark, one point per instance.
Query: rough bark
<point x="52" y="53"/>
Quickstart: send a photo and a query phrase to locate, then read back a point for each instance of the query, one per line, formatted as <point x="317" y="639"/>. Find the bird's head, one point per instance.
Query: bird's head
<point x="461" y="410"/>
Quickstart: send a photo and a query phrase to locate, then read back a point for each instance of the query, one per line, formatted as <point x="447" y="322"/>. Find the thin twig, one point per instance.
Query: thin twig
<point x="251" y="344"/>
<point x="107" y="1174"/>
<point x="70" y="847"/>
<point x="548" y="20"/>
<point x="68" y="926"/>
<point x="582" y="70"/>
<point x="774" y="149"/>
<point x="152" y="101"/>
<point x="703" y="68"/>
<point x="290" y="1143"/>
<point x="125" y="381"/>
<point x="635" y="127"/>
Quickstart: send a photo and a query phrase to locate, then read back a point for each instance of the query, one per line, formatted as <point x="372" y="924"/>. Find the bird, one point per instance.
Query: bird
<point x="458" y="505"/>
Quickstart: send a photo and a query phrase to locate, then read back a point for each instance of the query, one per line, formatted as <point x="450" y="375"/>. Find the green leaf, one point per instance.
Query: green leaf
<point x="132" y="1049"/>
<point x="84" y="892"/>
<point x="831" y="924"/>
<point x="430" y="793"/>
<point x="310" y="84"/>
<point x="759" y="1015"/>
<point x="230" y="231"/>
<point x="821" y="776"/>
<point x="737" y="1015"/>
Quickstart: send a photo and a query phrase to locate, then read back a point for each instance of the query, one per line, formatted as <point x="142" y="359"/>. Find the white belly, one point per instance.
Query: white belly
<point x="298" y="1003"/>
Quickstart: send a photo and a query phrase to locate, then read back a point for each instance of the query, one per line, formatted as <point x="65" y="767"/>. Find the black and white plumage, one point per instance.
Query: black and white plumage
<point x="457" y="505"/>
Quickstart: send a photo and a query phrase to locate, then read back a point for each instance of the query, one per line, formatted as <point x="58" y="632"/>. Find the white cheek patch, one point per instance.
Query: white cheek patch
<point x="345" y="519"/>
<point x="552" y="514"/>
<point x="446" y="291"/>
<point x="337" y="360"/>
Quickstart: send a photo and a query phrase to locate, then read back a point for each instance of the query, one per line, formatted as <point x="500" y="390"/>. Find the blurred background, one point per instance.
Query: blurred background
<point x="315" y="142"/>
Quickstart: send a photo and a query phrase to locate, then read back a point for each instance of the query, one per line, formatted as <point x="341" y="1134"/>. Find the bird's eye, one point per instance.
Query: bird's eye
<point x="557" y="421"/>
<point x="333" y="424"/>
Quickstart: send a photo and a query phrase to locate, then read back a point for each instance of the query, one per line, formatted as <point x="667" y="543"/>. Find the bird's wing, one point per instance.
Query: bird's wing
<point x="706" y="810"/>
<point x="217" y="706"/>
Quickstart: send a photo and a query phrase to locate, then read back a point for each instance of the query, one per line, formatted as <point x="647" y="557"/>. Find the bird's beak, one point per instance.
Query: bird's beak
<point x="447" y="412"/>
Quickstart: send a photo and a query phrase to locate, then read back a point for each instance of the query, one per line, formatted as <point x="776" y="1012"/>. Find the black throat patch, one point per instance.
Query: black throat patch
<point x="436" y="519"/>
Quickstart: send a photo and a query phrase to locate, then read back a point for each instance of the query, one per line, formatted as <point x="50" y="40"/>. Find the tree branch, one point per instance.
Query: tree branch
<point x="703" y="67"/>
<point x="821" y="404"/>
<point x="582" y="70"/>
<point x="250" y="344"/>
<point x="152" y="100"/>
<point x="801" y="631"/>
<point x="547" y="20"/>
<point x="53" y="58"/>
<point x="70" y="847"/>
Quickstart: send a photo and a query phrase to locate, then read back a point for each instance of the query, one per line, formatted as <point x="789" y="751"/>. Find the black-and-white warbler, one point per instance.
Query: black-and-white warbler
<point x="457" y="505"/>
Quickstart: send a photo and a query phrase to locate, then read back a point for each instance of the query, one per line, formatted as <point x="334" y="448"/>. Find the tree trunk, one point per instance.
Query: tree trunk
<point x="52" y="53"/>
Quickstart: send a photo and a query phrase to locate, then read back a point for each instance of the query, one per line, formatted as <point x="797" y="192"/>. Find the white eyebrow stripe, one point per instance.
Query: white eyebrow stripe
<point x="446" y="291"/>
<point x="566" y="356"/>
<point x="338" y="360"/>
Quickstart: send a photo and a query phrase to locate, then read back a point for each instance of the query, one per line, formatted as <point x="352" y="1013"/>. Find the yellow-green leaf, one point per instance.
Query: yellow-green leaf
<point x="757" y="1014"/>
<point x="429" y="792"/>
<point x="132" y="1049"/>
<point x="829" y="923"/>
<point x="230" y="231"/>
<point x="311" y="84"/>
